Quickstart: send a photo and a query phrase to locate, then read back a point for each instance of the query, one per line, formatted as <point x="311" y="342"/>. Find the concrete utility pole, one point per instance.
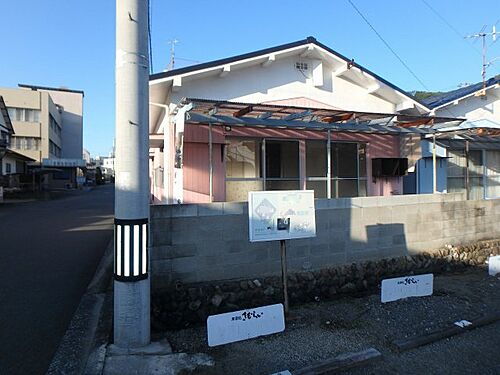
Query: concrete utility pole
<point x="132" y="283"/>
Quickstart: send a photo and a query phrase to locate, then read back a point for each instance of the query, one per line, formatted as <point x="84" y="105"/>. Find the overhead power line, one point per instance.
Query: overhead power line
<point x="452" y="28"/>
<point x="387" y="45"/>
<point x="455" y="30"/>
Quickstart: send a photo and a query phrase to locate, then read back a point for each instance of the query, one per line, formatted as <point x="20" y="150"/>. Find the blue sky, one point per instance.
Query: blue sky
<point x="71" y="43"/>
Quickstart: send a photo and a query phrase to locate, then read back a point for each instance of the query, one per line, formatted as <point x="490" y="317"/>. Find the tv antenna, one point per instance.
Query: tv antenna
<point x="483" y="35"/>
<point x="172" y="43"/>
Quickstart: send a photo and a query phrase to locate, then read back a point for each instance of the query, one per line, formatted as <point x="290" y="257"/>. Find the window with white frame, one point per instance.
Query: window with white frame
<point x="25" y="143"/>
<point x="457" y="172"/>
<point x="492" y="175"/>
<point x="24" y="114"/>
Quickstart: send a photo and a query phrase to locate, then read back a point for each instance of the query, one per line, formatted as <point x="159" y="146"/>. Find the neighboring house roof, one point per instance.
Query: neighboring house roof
<point x="267" y="51"/>
<point x="5" y="114"/>
<point x="475" y="143"/>
<point x="34" y="87"/>
<point x="440" y="100"/>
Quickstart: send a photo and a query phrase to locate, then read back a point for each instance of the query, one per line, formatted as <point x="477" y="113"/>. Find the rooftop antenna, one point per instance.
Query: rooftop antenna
<point x="482" y="34"/>
<point x="172" y="43"/>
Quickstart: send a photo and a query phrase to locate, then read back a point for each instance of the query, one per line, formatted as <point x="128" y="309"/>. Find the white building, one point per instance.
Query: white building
<point x="86" y="156"/>
<point x="304" y="74"/>
<point x="479" y="166"/>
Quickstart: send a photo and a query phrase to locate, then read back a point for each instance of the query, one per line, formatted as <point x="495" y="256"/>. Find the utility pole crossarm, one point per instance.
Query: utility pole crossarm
<point x="483" y="36"/>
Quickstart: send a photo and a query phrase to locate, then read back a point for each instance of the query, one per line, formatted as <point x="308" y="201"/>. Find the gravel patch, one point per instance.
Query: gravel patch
<point x="322" y="330"/>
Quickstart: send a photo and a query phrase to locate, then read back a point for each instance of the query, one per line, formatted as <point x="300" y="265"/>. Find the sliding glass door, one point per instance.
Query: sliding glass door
<point x="270" y="164"/>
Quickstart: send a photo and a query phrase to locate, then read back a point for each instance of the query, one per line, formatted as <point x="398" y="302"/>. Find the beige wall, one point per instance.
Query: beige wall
<point x="71" y="120"/>
<point x="32" y="100"/>
<point x="37" y="100"/>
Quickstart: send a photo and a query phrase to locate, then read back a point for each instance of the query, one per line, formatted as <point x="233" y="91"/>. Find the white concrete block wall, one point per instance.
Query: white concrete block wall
<point x="196" y="243"/>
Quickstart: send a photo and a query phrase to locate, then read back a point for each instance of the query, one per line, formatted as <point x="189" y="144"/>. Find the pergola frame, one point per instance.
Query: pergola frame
<point x="271" y="116"/>
<point x="225" y="113"/>
<point x="284" y="116"/>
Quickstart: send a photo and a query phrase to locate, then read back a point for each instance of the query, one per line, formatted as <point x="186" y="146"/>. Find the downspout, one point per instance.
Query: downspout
<point x="210" y="163"/>
<point x="179" y="120"/>
<point x="329" y="166"/>
<point x="467" y="176"/>
<point x="434" y="171"/>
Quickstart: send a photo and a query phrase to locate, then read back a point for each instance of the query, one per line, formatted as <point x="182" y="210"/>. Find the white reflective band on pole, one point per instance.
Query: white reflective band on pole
<point x="136" y="250"/>
<point x="131" y="238"/>
<point x="126" y="255"/>
<point x="118" y="246"/>
<point x="144" y="246"/>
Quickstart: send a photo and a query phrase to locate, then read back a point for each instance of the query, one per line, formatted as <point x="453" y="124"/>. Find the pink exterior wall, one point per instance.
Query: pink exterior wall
<point x="196" y="165"/>
<point x="196" y="161"/>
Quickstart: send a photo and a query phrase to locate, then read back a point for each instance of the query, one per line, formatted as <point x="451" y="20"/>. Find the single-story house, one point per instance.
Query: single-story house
<point x="295" y="116"/>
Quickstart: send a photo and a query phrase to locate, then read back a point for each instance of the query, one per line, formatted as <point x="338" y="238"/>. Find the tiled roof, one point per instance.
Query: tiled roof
<point x="439" y="100"/>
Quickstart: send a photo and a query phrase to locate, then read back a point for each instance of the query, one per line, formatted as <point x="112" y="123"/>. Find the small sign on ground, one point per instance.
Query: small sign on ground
<point x="245" y="324"/>
<point x="409" y="286"/>
<point x="494" y="265"/>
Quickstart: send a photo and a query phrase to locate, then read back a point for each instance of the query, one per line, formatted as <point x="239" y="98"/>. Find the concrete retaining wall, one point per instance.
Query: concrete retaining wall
<point x="208" y="242"/>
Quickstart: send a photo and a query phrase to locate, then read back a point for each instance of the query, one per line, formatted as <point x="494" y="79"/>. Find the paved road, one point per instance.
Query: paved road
<point x="49" y="252"/>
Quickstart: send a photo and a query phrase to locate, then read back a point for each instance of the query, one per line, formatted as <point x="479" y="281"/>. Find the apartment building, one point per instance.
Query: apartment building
<point x="48" y="122"/>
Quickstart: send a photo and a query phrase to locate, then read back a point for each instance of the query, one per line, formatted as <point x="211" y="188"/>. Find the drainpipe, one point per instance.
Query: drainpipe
<point x="467" y="176"/>
<point x="329" y="166"/>
<point x="434" y="165"/>
<point x="179" y="120"/>
<point x="210" y="163"/>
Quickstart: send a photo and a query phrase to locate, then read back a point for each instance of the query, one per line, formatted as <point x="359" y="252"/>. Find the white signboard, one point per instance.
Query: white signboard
<point x="63" y="163"/>
<point x="409" y="286"/>
<point x="245" y="324"/>
<point x="281" y="215"/>
<point x="494" y="265"/>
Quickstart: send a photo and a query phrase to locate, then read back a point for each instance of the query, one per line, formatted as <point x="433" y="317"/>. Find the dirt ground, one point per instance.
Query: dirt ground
<point x="323" y="330"/>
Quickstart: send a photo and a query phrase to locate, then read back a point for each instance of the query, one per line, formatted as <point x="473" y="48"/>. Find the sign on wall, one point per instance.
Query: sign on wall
<point x="63" y="163"/>
<point x="409" y="286"/>
<point x="245" y="324"/>
<point x="281" y="215"/>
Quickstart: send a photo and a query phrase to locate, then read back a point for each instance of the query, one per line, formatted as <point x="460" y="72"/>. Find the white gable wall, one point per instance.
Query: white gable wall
<point x="475" y="108"/>
<point x="281" y="80"/>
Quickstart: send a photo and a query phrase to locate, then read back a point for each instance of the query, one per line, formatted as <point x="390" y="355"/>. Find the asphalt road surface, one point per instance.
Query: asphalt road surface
<point x="49" y="251"/>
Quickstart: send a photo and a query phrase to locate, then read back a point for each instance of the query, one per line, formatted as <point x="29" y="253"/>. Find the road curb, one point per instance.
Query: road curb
<point x="90" y="325"/>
